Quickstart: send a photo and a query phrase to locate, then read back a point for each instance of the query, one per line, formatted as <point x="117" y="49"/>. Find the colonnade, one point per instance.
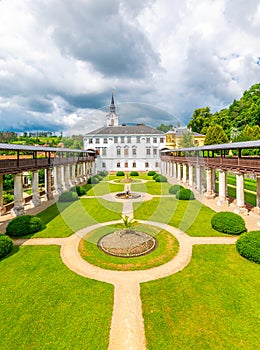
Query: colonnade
<point x="202" y="179"/>
<point x="58" y="179"/>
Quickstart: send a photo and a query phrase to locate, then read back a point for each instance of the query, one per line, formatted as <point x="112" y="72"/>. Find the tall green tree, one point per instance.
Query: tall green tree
<point x="164" y="127"/>
<point x="187" y="139"/>
<point x="215" y="135"/>
<point x="200" y="119"/>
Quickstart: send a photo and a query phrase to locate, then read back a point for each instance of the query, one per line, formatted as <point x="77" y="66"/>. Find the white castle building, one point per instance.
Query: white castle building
<point x="125" y="147"/>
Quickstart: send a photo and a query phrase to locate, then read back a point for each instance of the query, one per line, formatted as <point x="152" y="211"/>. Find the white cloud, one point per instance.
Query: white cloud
<point x="60" y="59"/>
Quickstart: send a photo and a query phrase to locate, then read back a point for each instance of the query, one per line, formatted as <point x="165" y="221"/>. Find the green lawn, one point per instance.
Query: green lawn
<point x="63" y="219"/>
<point x="212" y="304"/>
<point x="250" y="198"/>
<point x="44" y="305"/>
<point x="167" y="248"/>
<point x="103" y="188"/>
<point x="152" y="187"/>
<point x="190" y="216"/>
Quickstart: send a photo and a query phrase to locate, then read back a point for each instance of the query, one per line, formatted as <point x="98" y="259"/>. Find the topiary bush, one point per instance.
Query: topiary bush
<point x="134" y="173"/>
<point x="161" y="178"/>
<point x="185" y="194"/>
<point x="248" y="245"/>
<point x="227" y="222"/>
<point x="79" y="190"/>
<point x="24" y="225"/>
<point x="155" y="176"/>
<point x="103" y="173"/>
<point x="93" y="180"/>
<point x="175" y="188"/>
<point x="120" y="173"/>
<point x="6" y="245"/>
<point x="68" y="197"/>
<point x="151" y="173"/>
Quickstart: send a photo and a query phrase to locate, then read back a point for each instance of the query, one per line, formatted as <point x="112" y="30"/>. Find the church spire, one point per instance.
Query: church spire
<point x="112" y="105"/>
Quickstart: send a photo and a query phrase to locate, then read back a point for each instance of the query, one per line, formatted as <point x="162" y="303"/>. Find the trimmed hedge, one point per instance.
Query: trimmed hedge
<point x="93" y="180"/>
<point x="24" y="225"/>
<point x="185" y="194"/>
<point x="79" y="190"/>
<point x="68" y="197"/>
<point x="134" y="173"/>
<point x="227" y="222"/>
<point x="175" y="188"/>
<point x="103" y="173"/>
<point x="6" y="245"/>
<point x="151" y="173"/>
<point x="120" y="173"/>
<point x="248" y="245"/>
<point x="155" y="176"/>
<point x="161" y="178"/>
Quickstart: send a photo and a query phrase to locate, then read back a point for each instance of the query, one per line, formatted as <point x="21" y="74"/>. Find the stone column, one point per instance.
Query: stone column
<point x="1" y="194"/>
<point x="190" y="176"/>
<point x="18" y="208"/>
<point x="73" y="175"/>
<point x="55" y="179"/>
<point x="240" y="194"/>
<point x="198" y="178"/>
<point x="222" y="196"/>
<point x="209" y="191"/>
<point x="213" y="179"/>
<point x="59" y="183"/>
<point x="66" y="170"/>
<point x="48" y="184"/>
<point x="184" y="175"/>
<point x="179" y="172"/>
<point x="257" y="208"/>
<point x="174" y="170"/>
<point x="36" y="200"/>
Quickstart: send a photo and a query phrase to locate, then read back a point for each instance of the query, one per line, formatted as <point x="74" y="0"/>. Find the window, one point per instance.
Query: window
<point x="126" y="151"/>
<point x="118" y="151"/>
<point x="103" y="165"/>
<point x="161" y="140"/>
<point x="155" y="140"/>
<point x="148" y="151"/>
<point x="155" y="151"/>
<point x="105" y="140"/>
<point x="138" y="139"/>
<point x="134" y="151"/>
<point x="156" y="164"/>
<point x="90" y="140"/>
<point x="104" y="151"/>
<point x="115" y="139"/>
<point x="128" y="139"/>
<point x="126" y="164"/>
<point x="122" y="139"/>
<point x="97" y="140"/>
<point x="146" y="164"/>
<point x="118" y="165"/>
<point x="148" y="140"/>
<point x="134" y="164"/>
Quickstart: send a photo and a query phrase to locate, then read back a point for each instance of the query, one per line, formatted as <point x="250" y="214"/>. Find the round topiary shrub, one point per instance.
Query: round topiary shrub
<point x="161" y="178"/>
<point x="134" y="173"/>
<point x="68" y="197"/>
<point x="93" y="180"/>
<point x="248" y="245"/>
<point x="227" y="222"/>
<point x="79" y="190"/>
<point x="120" y="173"/>
<point x="151" y="173"/>
<point x="103" y="173"/>
<point x="6" y="245"/>
<point x="24" y="225"/>
<point x="155" y="176"/>
<point x="175" y="188"/>
<point x="185" y="194"/>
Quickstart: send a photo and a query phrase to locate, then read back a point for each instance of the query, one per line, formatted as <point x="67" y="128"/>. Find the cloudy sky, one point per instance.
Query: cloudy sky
<point x="60" y="60"/>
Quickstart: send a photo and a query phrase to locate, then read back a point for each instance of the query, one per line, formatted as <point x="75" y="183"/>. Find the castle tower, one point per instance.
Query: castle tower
<point x="112" y="117"/>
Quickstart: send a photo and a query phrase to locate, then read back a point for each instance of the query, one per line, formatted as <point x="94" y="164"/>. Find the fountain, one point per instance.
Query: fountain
<point x="127" y="195"/>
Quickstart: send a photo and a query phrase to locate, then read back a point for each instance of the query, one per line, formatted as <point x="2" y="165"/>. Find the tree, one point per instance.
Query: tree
<point x="200" y="119"/>
<point x="187" y="139"/>
<point x="164" y="127"/>
<point x="215" y="135"/>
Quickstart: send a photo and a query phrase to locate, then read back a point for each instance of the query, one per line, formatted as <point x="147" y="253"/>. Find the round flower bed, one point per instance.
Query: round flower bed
<point x="248" y="245"/>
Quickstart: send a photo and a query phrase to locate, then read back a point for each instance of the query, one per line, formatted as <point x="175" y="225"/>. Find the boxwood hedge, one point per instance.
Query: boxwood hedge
<point x="120" y="173"/>
<point x="161" y="178"/>
<point x="151" y="173"/>
<point x="24" y="225"/>
<point x="228" y="222"/>
<point x="175" y="188"/>
<point x="185" y="194"/>
<point x="248" y="245"/>
<point x="93" y="180"/>
<point x="134" y="173"/>
<point x="79" y="190"/>
<point x="68" y="197"/>
<point x="6" y="245"/>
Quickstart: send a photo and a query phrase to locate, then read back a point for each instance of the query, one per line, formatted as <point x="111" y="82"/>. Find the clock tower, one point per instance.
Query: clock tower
<point x="112" y="117"/>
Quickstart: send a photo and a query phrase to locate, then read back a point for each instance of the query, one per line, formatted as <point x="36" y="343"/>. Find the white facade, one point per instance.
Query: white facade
<point x="123" y="147"/>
